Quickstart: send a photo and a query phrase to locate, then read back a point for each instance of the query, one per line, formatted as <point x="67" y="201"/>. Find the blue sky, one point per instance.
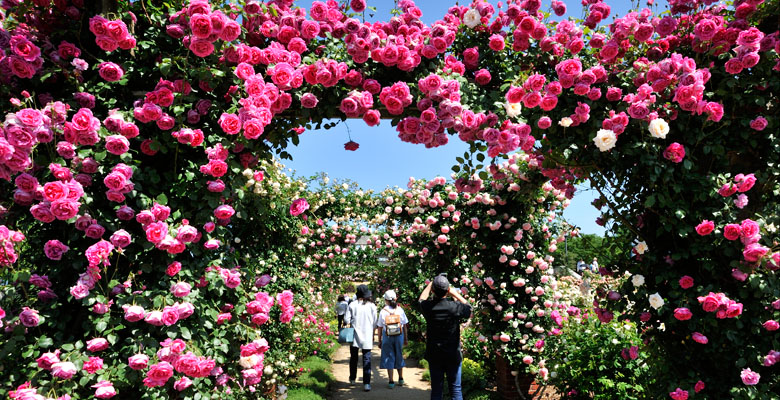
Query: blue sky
<point x="384" y="160"/>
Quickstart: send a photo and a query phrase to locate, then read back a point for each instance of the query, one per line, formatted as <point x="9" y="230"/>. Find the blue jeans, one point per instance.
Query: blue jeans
<point x="453" y="379"/>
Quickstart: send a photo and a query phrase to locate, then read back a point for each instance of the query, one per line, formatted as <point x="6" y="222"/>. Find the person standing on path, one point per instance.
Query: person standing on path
<point x="443" y="317"/>
<point x="391" y="325"/>
<point x="361" y="314"/>
<point x="341" y="310"/>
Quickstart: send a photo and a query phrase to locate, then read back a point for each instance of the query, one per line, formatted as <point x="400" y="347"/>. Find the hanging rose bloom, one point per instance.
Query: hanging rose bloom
<point x="111" y="72"/>
<point x="298" y="207"/>
<point x="351" y="146"/>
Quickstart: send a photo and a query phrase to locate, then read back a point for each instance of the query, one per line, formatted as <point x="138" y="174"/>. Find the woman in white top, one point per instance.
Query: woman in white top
<point x="341" y="309"/>
<point x="391" y="325"/>
<point x="362" y="315"/>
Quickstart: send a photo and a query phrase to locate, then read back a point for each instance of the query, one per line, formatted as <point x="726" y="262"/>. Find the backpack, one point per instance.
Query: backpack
<point x="392" y="324"/>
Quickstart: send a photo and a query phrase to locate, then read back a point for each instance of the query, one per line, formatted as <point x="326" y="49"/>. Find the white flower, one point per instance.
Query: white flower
<point x="472" y="18"/>
<point x="658" y="128"/>
<point x="249" y="361"/>
<point x="605" y="139"/>
<point x="513" y="109"/>
<point x="638" y="280"/>
<point x="641" y="248"/>
<point x="565" y="122"/>
<point x="656" y="301"/>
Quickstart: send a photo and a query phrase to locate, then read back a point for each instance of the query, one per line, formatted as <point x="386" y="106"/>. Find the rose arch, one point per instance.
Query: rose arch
<point x="152" y="246"/>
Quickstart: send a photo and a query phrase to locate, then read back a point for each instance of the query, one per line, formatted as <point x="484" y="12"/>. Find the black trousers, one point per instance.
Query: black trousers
<point x="341" y="321"/>
<point x="353" y="363"/>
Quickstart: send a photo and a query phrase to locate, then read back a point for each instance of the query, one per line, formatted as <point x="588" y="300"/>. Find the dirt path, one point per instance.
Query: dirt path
<point x="414" y="387"/>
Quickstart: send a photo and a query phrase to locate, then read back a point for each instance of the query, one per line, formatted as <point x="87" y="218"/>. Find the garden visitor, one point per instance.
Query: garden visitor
<point x="341" y="309"/>
<point x="391" y="325"/>
<point x="594" y="266"/>
<point x="581" y="265"/>
<point x="361" y="314"/>
<point x="443" y="317"/>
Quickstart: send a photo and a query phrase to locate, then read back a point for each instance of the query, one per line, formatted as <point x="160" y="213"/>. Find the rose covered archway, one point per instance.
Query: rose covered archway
<point x="138" y="137"/>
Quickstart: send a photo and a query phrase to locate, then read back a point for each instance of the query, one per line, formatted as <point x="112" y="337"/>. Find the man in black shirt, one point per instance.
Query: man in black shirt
<point x="443" y="317"/>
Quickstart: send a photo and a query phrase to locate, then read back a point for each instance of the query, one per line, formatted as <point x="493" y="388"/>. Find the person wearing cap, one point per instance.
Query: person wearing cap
<point x="361" y="314"/>
<point x="391" y="325"/>
<point x="443" y="315"/>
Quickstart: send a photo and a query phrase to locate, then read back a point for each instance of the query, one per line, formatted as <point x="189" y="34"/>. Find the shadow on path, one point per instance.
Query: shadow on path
<point x="414" y="388"/>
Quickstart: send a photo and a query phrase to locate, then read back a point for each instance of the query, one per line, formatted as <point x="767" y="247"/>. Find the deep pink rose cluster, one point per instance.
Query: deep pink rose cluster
<point x="357" y="103"/>
<point x="118" y="182"/>
<point x="111" y="34"/>
<point x="260" y="307"/>
<point x="8" y="240"/>
<point x="204" y="25"/>
<point x="22" y="58"/>
<point x="722" y="306"/>
<point x="285" y="300"/>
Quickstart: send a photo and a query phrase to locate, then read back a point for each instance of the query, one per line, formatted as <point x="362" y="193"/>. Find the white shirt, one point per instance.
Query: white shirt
<point x="341" y="308"/>
<point x="387" y="311"/>
<point x="362" y="316"/>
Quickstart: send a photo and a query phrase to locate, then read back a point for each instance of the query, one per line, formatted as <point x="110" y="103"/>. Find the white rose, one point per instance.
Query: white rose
<point x="513" y="109"/>
<point x="249" y="361"/>
<point x="605" y="139"/>
<point x="656" y="301"/>
<point x="565" y="122"/>
<point x="658" y="128"/>
<point x="638" y="280"/>
<point x="472" y="18"/>
<point x="641" y="248"/>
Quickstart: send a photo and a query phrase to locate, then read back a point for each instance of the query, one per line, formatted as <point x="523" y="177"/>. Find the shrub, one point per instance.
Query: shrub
<point x="595" y="360"/>
<point x="315" y="379"/>
<point x="472" y="376"/>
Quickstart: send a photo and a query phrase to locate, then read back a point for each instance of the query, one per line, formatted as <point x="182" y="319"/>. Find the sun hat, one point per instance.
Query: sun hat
<point x="390" y="295"/>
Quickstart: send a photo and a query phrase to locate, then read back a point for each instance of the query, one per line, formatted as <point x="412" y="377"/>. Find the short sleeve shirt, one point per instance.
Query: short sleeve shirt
<point x="443" y="318"/>
<point x="387" y="311"/>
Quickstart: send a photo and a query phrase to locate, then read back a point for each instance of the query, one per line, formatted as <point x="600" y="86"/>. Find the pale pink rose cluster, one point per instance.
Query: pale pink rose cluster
<point x="252" y="360"/>
<point x="111" y="34"/>
<point x="168" y="316"/>
<point x="358" y="103"/>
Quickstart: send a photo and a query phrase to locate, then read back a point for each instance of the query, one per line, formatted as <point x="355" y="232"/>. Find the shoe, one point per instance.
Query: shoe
<point x="400" y="382"/>
<point x="391" y="385"/>
<point x="351" y="382"/>
<point x="367" y="387"/>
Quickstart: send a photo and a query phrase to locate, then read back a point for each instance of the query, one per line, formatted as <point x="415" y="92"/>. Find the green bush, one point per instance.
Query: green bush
<point x="587" y="360"/>
<point x="481" y="395"/>
<point x="415" y="350"/>
<point x="303" y="394"/>
<point x="315" y="379"/>
<point x="472" y="376"/>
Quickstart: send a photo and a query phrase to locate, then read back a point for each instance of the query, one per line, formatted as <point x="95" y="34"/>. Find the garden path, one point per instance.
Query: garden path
<point x="414" y="387"/>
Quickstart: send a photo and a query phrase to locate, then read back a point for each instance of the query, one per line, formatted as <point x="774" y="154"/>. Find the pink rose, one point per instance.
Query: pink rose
<point x="111" y="72"/>
<point x="675" y="152"/>
<point x="705" y="228"/>
<point x="97" y="344"/>
<point x="679" y="394"/>
<point x="298" y="207"/>
<point x="771" y="325"/>
<point x="686" y="282"/>
<point x="173" y="268"/>
<point x="709" y="303"/>
<point x="93" y="364"/>
<point x="63" y="370"/>
<point x="181" y="289"/>
<point x="682" y="314"/>
<point x="749" y="377"/>
<point x="732" y="231"/>
<point x="46" y="360"/>
<point x="754" y="252"/>
<point x="699" y="338"/>
<point x="29" y="317"/>
<point x="54" y="249"/>
<point x="104" y="390"/>
<point x="182" y="384"/>
<point x="159" y="373"/>
<point x="224" y="212"/>
<point x="170" y="315"/>
<point x="230" y="123"/>
<point x="201" y="48"/>
<point x="745" y="183"/>
<point x="759" y="124"/>
<point x="134" y="313"/>
<point x="285" y="299"/>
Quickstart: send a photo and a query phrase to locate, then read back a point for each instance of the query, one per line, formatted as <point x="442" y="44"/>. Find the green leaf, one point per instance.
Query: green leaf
<point x="162" y="199"/>
<point x="185" y="333"/>
<point x="101" y="326"/>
